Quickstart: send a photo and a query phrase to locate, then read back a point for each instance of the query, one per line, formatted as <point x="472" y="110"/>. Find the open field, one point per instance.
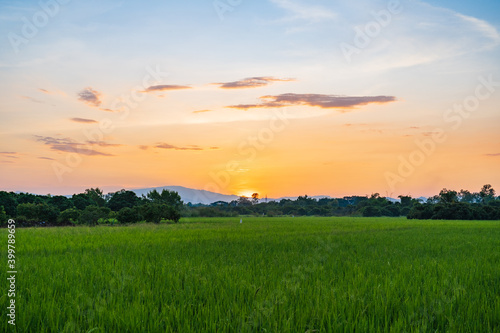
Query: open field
<point x="265" y="275"/>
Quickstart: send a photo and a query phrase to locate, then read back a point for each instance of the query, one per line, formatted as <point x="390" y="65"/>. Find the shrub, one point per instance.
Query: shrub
<point x="91" y="215"/>
<point x="3" y="216"/>
<point x="371" y="211"/>
<point x="69" y="216"/>
<point x="128" y="215"/>
<point x="152" y="212"/>
<point x="41" y="212"/>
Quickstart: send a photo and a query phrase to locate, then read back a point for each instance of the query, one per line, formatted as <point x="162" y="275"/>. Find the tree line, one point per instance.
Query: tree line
<point x="447" y="205"/>
<point x="92" y="207"/>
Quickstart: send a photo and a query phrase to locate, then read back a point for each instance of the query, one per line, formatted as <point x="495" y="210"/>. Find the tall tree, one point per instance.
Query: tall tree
<point x="448" y="196"/>
<point x="487" y="193"/>
<point x="167" y="197"/>
<point x="244" y="202"/>
<point x="61" y="202"/>
<point x="81" y="201"/>
<point x="96" y="195"/>
<point x="466" y="196"/>
<point x="91" y="215"/>
<point x="255" y="198"/>
<point x="122" y="199"/>
<point x="9" y="202"/>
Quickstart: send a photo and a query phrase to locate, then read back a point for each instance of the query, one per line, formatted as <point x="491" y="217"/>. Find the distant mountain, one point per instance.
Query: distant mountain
<point x="392" y="200"/>
<point x="317" y="197"/>
<point x="191" y="195"/>
<point x="206" y="197"/>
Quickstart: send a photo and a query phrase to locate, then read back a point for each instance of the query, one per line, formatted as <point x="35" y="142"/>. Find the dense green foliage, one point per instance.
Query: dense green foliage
<point x="448" y="205"/>
<point x="452" y="205"/>
<point x="264" y="275"/>
<point x="93" y="207"/>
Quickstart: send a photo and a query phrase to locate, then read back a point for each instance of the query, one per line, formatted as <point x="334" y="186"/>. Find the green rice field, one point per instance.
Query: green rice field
<point x="305" y="274"/>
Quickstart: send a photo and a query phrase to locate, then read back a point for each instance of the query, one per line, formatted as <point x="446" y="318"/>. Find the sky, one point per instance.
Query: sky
<point x="277" y="97"/>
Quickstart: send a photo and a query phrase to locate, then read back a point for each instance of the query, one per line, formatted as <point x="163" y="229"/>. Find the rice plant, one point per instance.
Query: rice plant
<point x="262" y="275"/>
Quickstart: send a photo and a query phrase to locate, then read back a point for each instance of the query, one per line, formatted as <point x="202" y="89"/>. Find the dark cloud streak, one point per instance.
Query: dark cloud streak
<point x="90" y="97"/>
<point x="83" y="120"/>
<point x="69" y="146"/>
<point x="9" y="154"/>
<point x="163" y="145"/>
<point x="315" y="100"/>
<point x="251" y="82"/>
<point x="164" y="87"/>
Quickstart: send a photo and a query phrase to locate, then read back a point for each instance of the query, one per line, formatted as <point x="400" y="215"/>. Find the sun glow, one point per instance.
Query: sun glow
<point x="246" y="193"/>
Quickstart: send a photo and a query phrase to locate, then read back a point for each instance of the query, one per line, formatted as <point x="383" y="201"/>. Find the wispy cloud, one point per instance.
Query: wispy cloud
<point x="424" y="34"/>
<point x="83" y="120"/>
<point x="483" y="27"/>
<point x="492" y="155"/>
<point x="164" y="87"/>
<point x="429" y="133"/>
<point x="163" y="145"/>
<point x="50" y="92"/>
<point x="307" y="12"/>
<point x="202" y="111"/>
<point x="316" y="100"/>
<point x="168" y="146"/>
<point x="46" y="158"/>
<point x="352" y="125"/>
<point x="9" y="154"/>
<point x="104" y="144"/>
<point x="34" y="100"/>
<point x="90" y="97"/>
<point x="70" y="146"/>
<point x="251" y="82"/>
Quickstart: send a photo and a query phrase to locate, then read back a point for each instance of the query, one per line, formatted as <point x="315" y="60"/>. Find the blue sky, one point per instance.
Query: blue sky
<point x="483" y="9"/>
<point x="354" y="105"/>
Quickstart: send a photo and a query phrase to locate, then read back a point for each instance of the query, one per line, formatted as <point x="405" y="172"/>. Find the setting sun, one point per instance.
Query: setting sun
<point x="133" y="135"/>
<point x="347" y="113"/>
<point x="247" y="194"/>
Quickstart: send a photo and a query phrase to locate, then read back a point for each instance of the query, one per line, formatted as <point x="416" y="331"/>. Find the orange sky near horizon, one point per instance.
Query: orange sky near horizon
<point x="263" y="101"/>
